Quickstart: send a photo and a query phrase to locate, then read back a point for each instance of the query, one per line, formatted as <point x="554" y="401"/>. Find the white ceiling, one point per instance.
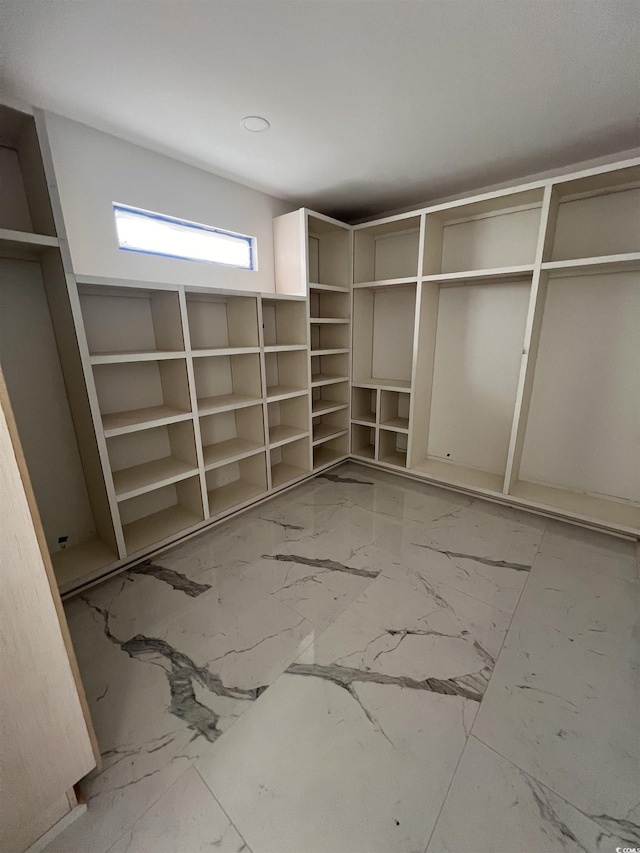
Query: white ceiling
<point x="373" y="104"/>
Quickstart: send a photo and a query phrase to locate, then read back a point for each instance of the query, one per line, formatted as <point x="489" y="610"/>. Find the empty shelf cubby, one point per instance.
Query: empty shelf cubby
<point x="130" y="320"/>
<point x="393" y="448"/>
<point x="330" y="452"/>
<point x="383" y="329"/>
<point x="135" y="395"/>
<point x="237" y="483"/>
<point x="227" y="381"/>
<point x="222" y="322"/>
<point x="327" y="398"/>
<point x="151" y="458"/>
<point x="286" y="373"/>
<point x="363" y="441"/>
<point x="364" y="404"/>
<point x="288" y="419"/>
<point x="327" y="337"/>
<point x="289" y="462"/>
<point x="387" y="251"/>
<point x="284" y="322"/>
<point x="332" y="306"/>
<point x="394" y="409"/>
<point x="158" y="515"/>
<point x="329" y="425"/>
<point x="328" y="369"/>
<point x="328" y="252"/>
<point x="230" y="435"/>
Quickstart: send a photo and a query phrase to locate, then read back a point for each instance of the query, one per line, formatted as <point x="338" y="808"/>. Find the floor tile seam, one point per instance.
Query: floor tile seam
<point x="446" y="796"/>
<point x="530" y="775"/>
<point x="224" y="811"/>
<point x="132" y="824"/>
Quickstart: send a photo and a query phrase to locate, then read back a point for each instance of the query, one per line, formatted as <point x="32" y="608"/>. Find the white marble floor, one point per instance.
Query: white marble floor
<point x="366" y="664"/>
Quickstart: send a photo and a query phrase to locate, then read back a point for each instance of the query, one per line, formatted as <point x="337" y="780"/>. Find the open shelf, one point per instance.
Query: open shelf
<point x="288" y="420"/>
<point x="383" y="324"/>
<point x="326" y="398"/>
<point x="286" y="373"/>
<point x="330" y="452"/>
<point x="485" y="276"/>
<point x="231" y="435"/>
<point x="393" y="448"/>
<point x="388" y="250"/>
<point x="363" y="441"/>
<point x="227" y="381"/>
<point x="588" y="266"/>
<point x="329" y="337"/>
<point x="23" y="244"/>
<point x="328" y="252"/>
<point x="329" y="425"/>
<point x="331" y="306"/>
<point x="329" y="369"/>
<point x="460" y="475"/>
<point x="146" y="460"/>
<point x="331" y="288"/>
<point x="158" y="515"/>
<point x="597" y="215"/>
<point x="222" y="322"/>
<point x="237" y="483"/>
<point x="364" y="405"/>
<point x="289" y="462"/>
<point x="136" y="395"/>
<point x="394" y="410"/>
<point x="486" y="235"/>
<point x="123" y="322"/>
<point x="77" y="563"/>
<point x="284" y="322"/>
<point x="579" y="504"/>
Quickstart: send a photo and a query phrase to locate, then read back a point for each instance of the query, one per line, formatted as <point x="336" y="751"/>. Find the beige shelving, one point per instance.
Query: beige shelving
<point x="224" y="382"/>
<point x="289" y="462"/>
<point x="222" y="322"/>
<point x="387" y="251"/>
<point x="231" y="435"/>
<point x="236" y="483"/>
<point x="284" y="323"/>
<point x="156" y="516"/>
<point x="364" y="405"/>
<point x="286" y="374"/>
<point x="288" y="420"/>
<point x="363" y="441"/>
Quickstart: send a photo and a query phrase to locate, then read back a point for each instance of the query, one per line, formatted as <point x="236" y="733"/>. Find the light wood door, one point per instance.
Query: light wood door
<point x="46" y="740"/>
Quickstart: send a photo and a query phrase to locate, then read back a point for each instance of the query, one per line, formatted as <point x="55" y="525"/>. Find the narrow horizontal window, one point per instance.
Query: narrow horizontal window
<point x="155" y="234"/>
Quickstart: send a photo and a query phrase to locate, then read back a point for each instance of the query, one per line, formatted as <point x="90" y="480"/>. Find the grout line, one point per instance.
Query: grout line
<point x="225" y="812"/>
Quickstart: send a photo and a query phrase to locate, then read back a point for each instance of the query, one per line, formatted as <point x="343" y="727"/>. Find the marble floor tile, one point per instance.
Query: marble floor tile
<point x="591" y="549"/>
<point x="492" y="807"/>
<point x="187" y="819"/>
<point x="563" y="700"/>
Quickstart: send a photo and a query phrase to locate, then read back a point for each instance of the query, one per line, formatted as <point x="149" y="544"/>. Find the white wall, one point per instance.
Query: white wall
<point x="94" y="169"/>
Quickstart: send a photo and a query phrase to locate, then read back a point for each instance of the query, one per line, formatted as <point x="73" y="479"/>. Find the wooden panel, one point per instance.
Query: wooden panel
<point x="45" y="744"/>
<point x="508" y="239"/>
<point x="393" y="321"/>
<point x="598" y="225"/>
<point x="477" y="364"/>
<point x="583" y="430"/>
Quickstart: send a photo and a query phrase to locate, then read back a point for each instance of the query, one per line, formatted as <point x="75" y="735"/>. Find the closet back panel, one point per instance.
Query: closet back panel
<point x="477" y="363"/>
<point x="500" y="240"/>
<point x="393" y="319"/>
<point x="598" y="225"/>
<point x="584" y="424"/>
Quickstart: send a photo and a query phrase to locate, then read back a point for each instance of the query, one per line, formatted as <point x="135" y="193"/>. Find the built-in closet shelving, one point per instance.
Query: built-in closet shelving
<point x="495" y="345"/>
<point x="488" y="344"/>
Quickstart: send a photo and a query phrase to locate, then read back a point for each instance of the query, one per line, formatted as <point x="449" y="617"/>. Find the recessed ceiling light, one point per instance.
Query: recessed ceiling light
<point x="255" y="124"/>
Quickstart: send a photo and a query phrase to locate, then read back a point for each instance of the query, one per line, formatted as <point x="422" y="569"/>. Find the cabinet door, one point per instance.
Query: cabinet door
<point x="45" y="739"/>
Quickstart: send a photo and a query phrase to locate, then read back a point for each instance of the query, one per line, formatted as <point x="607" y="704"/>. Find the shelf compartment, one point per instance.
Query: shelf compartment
<point x="333" y="306"/>
<point x="326" y="398"/>
<point x="284" y="322"/>
<point x="329" y="369"/>
<point x="597" y="216"/>
<point x="237" y="483"/>
<point x="78" y="563"/>
<point x="478" y="355"/>
<point x="24" y="207"/>
<point x="330" y="288"/>
<point x="581" y="434"/>
<point x="137" y="395"/>
<point x="286" y="373"/>
<point x="364" y="404"/>
<point x="231" y="435"/>
<point x="449" y="473"/>
<point x="483" y="235"/>
<point x="130" y="321"/>
<point x="363" y="441"/>
<point x="394" y="410"/>
<point x="383" y="329"/>
<point x="227" y="381"/>
<point x="392" y="448"/>
<point x="157" y="516"/>
<point x="485" y="276"/>
<point x="329" y="425"/>
<point x="330" y="452"/>
<point x="217" y="321"/>
<point x="617" y="514"/>
<point x="629" y="262"/>
<point x="288" y="420"/>
<point x="329" y="337"/>
<point x="24" y="244"/>
<point x="146" y="460"/>
<point x="328" y="252"/>
<point x="290" y="462"/>
<point x="388" y="250"/>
